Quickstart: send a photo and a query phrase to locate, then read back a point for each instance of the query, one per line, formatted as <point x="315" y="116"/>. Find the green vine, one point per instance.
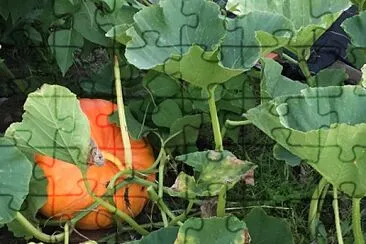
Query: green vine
<point x="356" y="221"/>
<point x="336" y="215"/>
<point x="215" y="119"/>
<point x="36" y="232"/>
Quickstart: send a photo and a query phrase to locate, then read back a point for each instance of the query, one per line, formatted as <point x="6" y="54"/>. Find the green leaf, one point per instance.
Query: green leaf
<point x="240" y="48"/>
<point x="102" y="81"/>
<point x="213" y="230"/>
<point x="36" y="198"/>
<point x="188" y="126"/>
<point x="199" y="68"/>
<point x="264" y="229"/>
<point x="354" y="27"/>
<point x="356" y="55"/>
<point x="85" y="23"/>
<point x="18" y="8"/>
<point x="274" y="84"/>
<point x="185" y="186"/>
<point x="63" y="7"/>
<point x="309" y="18"/>
<point x="119" y="16"/>
<point x="324" y="126"/>
<point x="239" y="94"/>
<point x="360" y="3"/>
<point x="331" y="77"/>
<point x="114" y="4"/>
<point x="164" y="235"/>
<point x="53" y="124"/>
<point x="15" y="173"/>
<point x="216" y="170"/>
<point x="171" y="28"/>
<point x="280" y="153"/>
<point x="160" y="84"/>
<point x="118" y="33"/>
<point x="301" y="13"/>
<point x="63" y="43"/>
<point x="166" y="113"/>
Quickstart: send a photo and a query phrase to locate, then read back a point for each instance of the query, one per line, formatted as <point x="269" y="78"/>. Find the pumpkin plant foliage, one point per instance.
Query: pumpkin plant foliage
<point x="184" y="64"/>
<point x="48" y="128"/>
<point x="315" y="126"/>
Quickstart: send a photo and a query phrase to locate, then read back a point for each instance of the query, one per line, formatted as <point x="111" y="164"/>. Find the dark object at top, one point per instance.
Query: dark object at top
<point x="332" y="45"/>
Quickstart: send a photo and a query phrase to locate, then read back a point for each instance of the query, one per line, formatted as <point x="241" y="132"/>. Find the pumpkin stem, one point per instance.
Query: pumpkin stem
<point x="113" y="159"/>
<point x="121" y="115"/>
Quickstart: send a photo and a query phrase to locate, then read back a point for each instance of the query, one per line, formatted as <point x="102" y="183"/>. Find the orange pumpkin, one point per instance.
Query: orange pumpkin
<point x="66" y="191"/>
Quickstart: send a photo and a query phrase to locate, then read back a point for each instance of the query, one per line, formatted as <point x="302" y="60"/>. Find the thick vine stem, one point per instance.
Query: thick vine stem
<point x="356" y="221"/>
<point x="121" y="115"/>
<point x="215" y="119"/>
<point x="161" y="185"/>
<point x="37" y="233"/>
<point x="314" y="206"/>
<point x="336" y="215"/>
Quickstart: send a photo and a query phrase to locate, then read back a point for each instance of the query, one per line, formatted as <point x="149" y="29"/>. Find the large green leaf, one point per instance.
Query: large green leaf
<point x="198" y="67"/>
<point x="187" y="128"/>
<point x="238" y="94"/>
<point x="330" y="77"/>
<point x="171" y="28"/>
<point x="114" y="4"/>
<point x="213" y="230"/>
<point x="356" y="55"/>
<point x="15" y="174"/>
<point x="85" y="23"/>
<point x="119" y="16"/>
<point x="264" y="229"/>
<point x="35" y="200"/>
<point x="216" y="170"/>
<point x="360" y="3"/>
<point x="240" y="48"/>
<point x="18" y="8"/>
<point x="354" y="27"/>
<point x="273" y="84"/>
<point x="165" y="235"/>
<point x="63" y="7"/>
<point x="102" y="83"/>
<point x="204" y="52"/>
<point x="53" y="124"/>
<point x="280" y="153"/>
<point x="301" y="12"/>
<point x="63" y="43"/>
<point x="166" y="113"/>
<point x="310" y="19"/>
<point x="325" y="126"/>
<point x="160" y="84"/>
